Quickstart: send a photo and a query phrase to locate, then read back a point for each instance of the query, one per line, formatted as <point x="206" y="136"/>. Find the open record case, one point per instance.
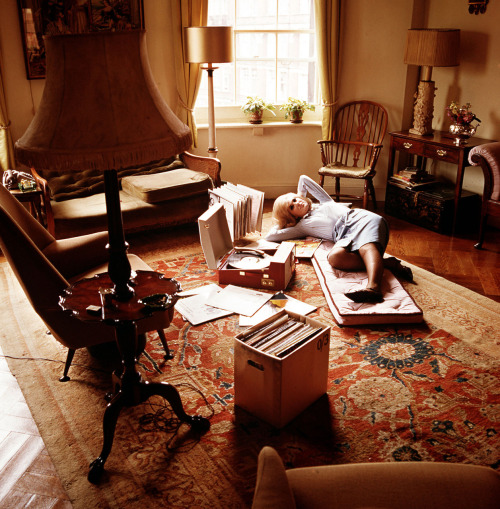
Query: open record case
<point x="274" y="273"/>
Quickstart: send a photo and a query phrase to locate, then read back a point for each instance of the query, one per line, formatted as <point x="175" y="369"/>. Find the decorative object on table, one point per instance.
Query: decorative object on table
<point x="209" y="45"/>
<point x="295" y="108"/>
<point x="429" y="47"/>
<point x="14" y="178"/>
<point x="255" y="107"/>
<point x="110" y="115"/>
<point x="38" y="19"/>
<point x="462" y="118"/>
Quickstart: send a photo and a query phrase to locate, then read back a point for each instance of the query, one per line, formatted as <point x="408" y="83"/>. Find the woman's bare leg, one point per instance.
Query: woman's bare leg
<point x="367" y="258"/>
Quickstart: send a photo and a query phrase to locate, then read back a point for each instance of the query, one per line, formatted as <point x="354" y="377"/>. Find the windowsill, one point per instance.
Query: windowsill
<point x="265" y="124"/>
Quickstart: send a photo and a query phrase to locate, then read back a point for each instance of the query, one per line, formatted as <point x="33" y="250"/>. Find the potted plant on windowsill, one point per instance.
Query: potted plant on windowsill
<point x="255" y="107"/>
<point x="294" y="108"/>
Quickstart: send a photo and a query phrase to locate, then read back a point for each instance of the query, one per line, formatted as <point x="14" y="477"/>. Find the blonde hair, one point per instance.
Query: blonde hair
<point x="282" y="216"/>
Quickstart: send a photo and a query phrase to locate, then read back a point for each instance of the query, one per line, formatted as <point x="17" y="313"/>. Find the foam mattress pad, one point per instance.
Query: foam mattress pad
<point x="397" y="307"/>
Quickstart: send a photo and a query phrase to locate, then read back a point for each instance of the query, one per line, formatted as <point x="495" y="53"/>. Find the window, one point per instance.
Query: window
<point x="274" y="52"/>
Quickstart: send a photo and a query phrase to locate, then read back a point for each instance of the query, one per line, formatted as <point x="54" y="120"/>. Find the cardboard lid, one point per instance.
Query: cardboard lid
<point x="214" y="235"/>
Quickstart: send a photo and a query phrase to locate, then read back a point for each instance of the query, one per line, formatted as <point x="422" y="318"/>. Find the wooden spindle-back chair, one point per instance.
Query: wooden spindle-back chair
<point x="359" y="130"/>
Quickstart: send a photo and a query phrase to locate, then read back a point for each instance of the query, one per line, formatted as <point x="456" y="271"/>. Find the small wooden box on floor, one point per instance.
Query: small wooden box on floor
<point x="278" y="389"/>
<point x="432" y="207"/>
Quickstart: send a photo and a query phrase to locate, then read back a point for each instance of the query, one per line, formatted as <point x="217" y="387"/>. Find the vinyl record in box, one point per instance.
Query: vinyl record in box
<point x="271" y="269"/>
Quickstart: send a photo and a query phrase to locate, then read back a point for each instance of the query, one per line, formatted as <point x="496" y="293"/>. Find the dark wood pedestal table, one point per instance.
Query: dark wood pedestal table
<point x="128" y="387"/>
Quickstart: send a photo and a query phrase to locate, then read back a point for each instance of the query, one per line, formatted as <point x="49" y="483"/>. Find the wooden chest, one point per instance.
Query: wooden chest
<point x="432" y="207"/>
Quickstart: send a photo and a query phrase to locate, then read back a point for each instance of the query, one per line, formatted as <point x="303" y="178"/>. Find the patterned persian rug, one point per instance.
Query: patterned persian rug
<point x="428" y="392"/>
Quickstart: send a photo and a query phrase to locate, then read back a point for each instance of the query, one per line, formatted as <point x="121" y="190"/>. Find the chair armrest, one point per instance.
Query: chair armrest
<point x="209" y="165"/>
<point x="47" y="207"/>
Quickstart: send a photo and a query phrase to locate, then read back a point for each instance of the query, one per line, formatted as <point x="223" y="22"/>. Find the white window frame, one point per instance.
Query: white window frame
<point x="232" y="114"/>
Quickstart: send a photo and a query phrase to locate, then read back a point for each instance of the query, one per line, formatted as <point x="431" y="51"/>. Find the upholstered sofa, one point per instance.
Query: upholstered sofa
<point x="163" y="193"/>
<point x="391" y="485"/>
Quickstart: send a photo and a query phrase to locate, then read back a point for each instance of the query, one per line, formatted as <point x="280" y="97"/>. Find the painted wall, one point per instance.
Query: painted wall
<point x="373" y="39"/>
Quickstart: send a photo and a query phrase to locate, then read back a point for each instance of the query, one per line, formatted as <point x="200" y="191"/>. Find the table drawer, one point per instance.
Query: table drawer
<point x="409" y="146"/>
<point x="442" y="153"/>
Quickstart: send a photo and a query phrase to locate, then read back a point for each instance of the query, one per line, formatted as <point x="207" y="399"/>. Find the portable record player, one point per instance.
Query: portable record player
<point x="239" y="266"/>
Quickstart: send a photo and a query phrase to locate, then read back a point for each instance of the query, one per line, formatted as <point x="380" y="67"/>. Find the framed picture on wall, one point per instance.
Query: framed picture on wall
<point x="52" y="17"/>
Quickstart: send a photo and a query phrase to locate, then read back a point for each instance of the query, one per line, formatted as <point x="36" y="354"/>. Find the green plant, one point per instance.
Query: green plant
<point x="296" y="106"/>
<point x="256" y="104"/>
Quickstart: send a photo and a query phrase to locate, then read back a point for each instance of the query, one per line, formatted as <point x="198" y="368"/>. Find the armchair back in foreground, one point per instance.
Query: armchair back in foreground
<point x="391" y="485"/>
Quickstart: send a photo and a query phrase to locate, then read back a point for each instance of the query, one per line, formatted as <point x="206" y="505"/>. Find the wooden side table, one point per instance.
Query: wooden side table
<point x="438" y="146"/>
<point x="34" y="198"/>
<point x="129" y="389"/>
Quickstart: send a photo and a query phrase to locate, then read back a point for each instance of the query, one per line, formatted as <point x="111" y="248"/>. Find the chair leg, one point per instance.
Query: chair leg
<point x="337" y="188"/>
<point x="482" y="225"/>
<point x="321" y="180"/>
<point x="168" y="354"/>
<point x="372" y="193"/>
<point x="69" y="360"/>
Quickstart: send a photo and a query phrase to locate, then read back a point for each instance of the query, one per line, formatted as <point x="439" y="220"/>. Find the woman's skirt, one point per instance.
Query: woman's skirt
<point x="359" y="227"/>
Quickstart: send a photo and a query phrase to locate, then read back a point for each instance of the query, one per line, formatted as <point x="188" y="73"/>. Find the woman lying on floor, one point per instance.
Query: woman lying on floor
<point x="360" y="236"/>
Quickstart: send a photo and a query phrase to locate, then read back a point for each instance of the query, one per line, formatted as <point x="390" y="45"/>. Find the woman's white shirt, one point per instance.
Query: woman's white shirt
<point x="319" y="222"/>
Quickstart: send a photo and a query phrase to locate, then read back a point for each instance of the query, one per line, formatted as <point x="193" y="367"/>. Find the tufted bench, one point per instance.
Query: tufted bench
<point x="163" y="193"/>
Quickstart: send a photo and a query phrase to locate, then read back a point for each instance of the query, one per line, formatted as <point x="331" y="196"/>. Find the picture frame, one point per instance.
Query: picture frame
<point x="50" y="17"/>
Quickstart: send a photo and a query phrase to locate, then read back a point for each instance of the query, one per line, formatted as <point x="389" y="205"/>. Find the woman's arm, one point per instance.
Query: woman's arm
<point x="293" y="232"/>
<point x="307" y="185"/>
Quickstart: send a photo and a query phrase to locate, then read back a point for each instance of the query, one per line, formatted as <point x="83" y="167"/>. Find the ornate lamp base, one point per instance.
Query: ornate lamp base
<point x="423" y="109"/>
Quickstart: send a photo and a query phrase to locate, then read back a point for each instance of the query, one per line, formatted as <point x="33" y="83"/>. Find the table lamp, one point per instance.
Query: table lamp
<point x="429" y="47"/>
<point x="209" y="45"/>
<point x="101" y="109"/>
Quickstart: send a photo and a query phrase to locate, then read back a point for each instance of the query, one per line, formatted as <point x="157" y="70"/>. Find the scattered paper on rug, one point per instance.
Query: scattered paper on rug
<point x="397" y="307"/>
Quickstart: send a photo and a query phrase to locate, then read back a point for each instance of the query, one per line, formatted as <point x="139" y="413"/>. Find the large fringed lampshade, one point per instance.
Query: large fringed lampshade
<point x="429" y="47"/>
<point x="101" y="109"/>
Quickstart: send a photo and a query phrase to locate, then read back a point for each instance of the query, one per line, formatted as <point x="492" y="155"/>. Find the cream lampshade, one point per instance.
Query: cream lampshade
<point x="209" y="45"/>
<point x="429" y="47"/>
<point x="101" y="109"/>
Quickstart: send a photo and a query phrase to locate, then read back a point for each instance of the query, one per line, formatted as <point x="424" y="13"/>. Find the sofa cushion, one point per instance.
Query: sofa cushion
<point x="66" y="185"/>
<point x="167" y="185"/>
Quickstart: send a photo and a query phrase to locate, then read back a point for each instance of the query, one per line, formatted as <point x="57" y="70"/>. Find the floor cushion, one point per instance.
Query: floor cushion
<point x="397" y="307"/>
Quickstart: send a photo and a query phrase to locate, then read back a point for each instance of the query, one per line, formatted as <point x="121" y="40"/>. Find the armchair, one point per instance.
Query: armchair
<point x="359" y="129"/>
<point x="488" y="157"/>
<point x="45" y="267"/>
<point x="391" y="485"/>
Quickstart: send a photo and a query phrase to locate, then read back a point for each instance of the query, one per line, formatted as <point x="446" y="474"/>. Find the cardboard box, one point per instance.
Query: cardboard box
<point x="217" y="246"/>
<point x="278" y="389"/>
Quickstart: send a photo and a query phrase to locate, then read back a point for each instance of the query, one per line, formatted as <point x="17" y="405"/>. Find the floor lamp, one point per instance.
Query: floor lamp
<point x="429" y="47"/>
<point x="209" y="45"/>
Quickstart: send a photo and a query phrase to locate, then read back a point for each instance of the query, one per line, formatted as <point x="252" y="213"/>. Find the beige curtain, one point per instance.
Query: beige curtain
<point x="6" y="145"/>
<point x="188" y="76"/>
<point x="327" y="17"/>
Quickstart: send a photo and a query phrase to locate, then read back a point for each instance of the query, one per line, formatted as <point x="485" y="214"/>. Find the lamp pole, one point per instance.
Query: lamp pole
<point x="212" y="146"/>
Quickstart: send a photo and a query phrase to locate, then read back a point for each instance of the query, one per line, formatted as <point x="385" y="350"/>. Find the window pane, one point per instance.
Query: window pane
<point x="255" y="45"/>
<point x="223" y="87"/>
<point x="255" y="78"/>
<point x="295" y="79"/>
<point x="252" y="14"/>
<point x="295" y="14"/>
<point x="296" y="46"/>
<point x="221" y="13"/>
